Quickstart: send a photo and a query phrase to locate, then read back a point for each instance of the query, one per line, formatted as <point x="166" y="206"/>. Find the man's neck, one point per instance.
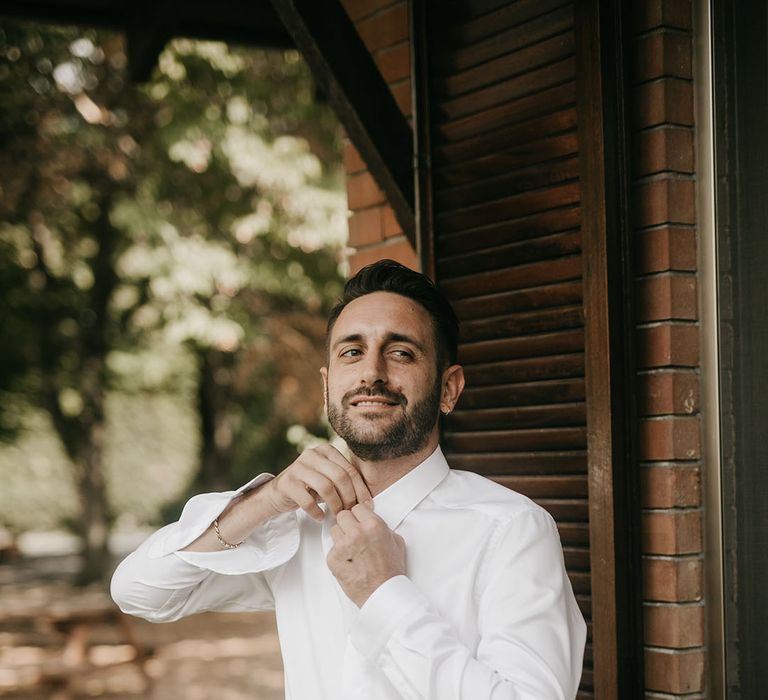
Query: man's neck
<point x="378" y="476"/>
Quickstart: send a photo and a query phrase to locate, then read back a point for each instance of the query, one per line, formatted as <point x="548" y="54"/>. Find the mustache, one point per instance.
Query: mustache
<point x="354" y="394"/>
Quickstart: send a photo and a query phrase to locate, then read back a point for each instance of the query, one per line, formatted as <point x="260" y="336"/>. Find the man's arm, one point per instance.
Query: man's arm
<point x="532" y="634"/>
<point x="184" y="568"/>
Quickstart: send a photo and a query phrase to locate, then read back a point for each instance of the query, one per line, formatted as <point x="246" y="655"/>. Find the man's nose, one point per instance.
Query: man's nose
<point x="373" y="369"/>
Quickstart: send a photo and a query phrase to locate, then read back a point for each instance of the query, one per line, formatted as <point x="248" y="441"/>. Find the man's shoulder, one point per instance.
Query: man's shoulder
<point x="467" y="490"/>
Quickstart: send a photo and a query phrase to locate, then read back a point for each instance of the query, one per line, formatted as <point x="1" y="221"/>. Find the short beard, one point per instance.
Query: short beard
<point x="406" y="436"/>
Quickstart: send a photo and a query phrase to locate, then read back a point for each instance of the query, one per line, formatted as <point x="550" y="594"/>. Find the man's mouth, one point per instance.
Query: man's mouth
<point x="376" y="399"/>
<point x="368" y="401"/>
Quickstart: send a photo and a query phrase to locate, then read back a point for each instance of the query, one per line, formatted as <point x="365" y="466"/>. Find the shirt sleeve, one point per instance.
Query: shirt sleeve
<point x="160" y="583"/>
<point x="532" y="633"/>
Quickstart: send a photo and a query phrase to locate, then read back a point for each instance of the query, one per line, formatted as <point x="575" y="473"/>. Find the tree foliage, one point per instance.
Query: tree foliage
<point x="191" y="224"/>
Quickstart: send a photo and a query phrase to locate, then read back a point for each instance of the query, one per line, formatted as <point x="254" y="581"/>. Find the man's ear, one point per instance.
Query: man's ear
<point x="324" y="375"/>
<point x="453" y="385"/>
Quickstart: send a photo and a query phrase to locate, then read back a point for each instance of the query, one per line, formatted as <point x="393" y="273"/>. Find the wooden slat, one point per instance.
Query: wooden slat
<point x="526" y="107"/>
<point x="570" y="462"/>
<point x="576" y="558"/>
<point x="573" y="533"/>
<point x="509" y="230"/>
<point x="512" y="207"/>
<point x="565" y="508"/>
<point x="543" y="486"/>
<point x="541" y="297"/>
<point x="516" y="62"/>
<point x="548" y="76"/>
<point x="559" y="414"/>
<point x="526" y="370"/>
<point x="459" y="184"/>
<point x="473" y="21"/>
<point x="556" y="342"/>
<point x="500" y="43"/>
<point x="552" y="246"/>
<point x="477" y="186"/>
<point x="525" y="323"/>
<point x="507" y="279"/>
<point x="572" y="438"/>
<point x="513" y="136"/>
<point x="524" y="394"/>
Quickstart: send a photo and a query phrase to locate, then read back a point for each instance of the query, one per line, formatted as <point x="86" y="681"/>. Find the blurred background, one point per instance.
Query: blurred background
<point x="168" y="255"/>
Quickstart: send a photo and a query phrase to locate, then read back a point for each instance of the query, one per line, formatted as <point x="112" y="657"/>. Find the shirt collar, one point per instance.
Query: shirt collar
<point x="399" y="499"/>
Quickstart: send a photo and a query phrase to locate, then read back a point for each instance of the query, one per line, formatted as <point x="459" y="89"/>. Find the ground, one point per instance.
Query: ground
<point x="216" y="656"/>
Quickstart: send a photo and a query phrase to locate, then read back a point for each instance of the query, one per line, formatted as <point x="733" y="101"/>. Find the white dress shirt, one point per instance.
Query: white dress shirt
<point x="486" y="609"/>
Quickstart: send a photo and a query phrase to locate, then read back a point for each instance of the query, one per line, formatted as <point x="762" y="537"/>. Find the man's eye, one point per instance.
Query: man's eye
<point x="404" y="354"/>
<point x="352" y="352"/>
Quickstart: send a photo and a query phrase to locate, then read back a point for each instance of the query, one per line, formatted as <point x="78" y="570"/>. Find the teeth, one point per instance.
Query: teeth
<point x="372" y="403"/>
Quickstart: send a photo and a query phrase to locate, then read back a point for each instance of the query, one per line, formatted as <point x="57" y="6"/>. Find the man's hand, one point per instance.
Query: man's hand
<point x="365" y="554"/>
<point x="320" y="474"/>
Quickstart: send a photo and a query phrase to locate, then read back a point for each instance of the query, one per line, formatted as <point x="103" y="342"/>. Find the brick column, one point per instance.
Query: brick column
<point x="373" y="229"/>
<point x="668" y="350"/>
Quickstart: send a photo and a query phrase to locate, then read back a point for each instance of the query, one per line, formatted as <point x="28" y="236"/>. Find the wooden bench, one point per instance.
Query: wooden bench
<point x="73" y="626"/>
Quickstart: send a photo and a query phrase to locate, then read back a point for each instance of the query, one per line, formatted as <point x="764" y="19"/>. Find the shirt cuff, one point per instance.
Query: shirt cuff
<point x="396" y="600"/>
<point x="271" y="544"/>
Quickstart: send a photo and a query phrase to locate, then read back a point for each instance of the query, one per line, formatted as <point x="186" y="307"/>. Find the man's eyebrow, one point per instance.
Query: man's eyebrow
<point x="400" y="338"/>
<point x="390" y="338"/>
<point x="351" y="338"/>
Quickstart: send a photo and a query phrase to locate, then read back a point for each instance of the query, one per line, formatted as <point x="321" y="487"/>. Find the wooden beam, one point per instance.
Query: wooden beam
<point x="147" y="32"/>
<point x="345" y="71"/>
<point x="609" y="366"/>
<point x="422" y="138"/>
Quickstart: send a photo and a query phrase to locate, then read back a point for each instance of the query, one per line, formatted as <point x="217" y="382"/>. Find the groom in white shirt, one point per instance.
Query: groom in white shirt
<point x="392" y="575"/>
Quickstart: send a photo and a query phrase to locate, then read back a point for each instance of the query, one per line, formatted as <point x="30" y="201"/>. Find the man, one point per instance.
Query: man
<point x="392" y="576"/>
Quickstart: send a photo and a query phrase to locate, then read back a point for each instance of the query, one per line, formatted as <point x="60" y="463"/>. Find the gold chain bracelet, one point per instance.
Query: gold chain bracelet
<point x="222" y="541"/>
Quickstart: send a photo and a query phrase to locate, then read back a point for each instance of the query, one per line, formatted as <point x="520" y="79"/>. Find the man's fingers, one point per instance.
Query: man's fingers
<point x="323" y="487"/>
<point x="361" y="491"/>
<point x="346" y="522"/>
<point x="363" y="512"/>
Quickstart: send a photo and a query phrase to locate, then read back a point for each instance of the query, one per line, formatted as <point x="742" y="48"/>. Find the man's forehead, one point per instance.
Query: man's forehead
<point x="382" y="313"/>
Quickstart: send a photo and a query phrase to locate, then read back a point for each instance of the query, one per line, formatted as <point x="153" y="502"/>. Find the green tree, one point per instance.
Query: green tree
<point x="202" y="210"/>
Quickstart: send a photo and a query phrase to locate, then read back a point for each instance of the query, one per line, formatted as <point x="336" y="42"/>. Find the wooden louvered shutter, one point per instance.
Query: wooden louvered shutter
<point x="507" y="252"/>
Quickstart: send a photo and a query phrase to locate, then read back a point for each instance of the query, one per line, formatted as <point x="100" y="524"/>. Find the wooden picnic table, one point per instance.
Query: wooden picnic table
<point x="69" y="627"/>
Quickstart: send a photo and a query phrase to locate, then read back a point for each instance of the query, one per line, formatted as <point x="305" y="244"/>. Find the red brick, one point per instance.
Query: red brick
<point x="668" y="391"/>
<point x="664" y="149"/>
<point x="669" y="438"/>
<point x="402" y="95"/>
<point x="675" y="626"/>
<point x="668" y="344"/>
<point x="666" y="297"/>
<point x="362" y="191"/>
<point x="665" y="248"/>
<point x="385" y="28"/>
<point x="667" y="101"/>
<point x="391" y="225"/>
<point x="671" y="532"/>
<point x="664" y="486"/>
<point x="663" y="55"/>
<point x="673" y="580"/>
<point x="395" y="248"/>
<point x="353" y="161"/>
<point x="674" y="671"/>
<point x="395" y="63"/>
<point x="652" y="14"/>
<point x="358" y="9"/>
<point x="365" y="227"/>
<point x="662" y="201"/>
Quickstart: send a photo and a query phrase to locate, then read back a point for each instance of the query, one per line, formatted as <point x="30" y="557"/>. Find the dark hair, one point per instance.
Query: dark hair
<point x="391" y="276"/>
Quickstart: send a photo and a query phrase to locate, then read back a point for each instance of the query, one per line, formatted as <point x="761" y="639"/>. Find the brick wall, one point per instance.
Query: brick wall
<point x="373" y="229"/>
<point x="668" y="349"/>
